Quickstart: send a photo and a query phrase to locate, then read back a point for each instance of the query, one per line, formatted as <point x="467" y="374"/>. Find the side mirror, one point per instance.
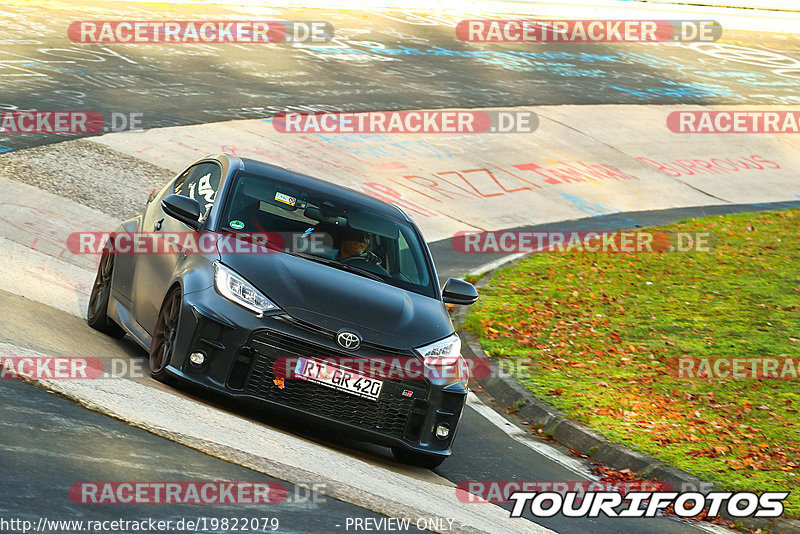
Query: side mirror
<point x="458" y="291"/>
<point x="185" y="209"/>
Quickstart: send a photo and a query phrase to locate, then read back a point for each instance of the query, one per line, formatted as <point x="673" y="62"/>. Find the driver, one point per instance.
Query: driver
<point x="354" y="243"/>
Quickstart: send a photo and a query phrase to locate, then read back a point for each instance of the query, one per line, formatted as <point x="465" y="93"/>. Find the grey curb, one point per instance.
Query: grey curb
<point x="582" y="439"/>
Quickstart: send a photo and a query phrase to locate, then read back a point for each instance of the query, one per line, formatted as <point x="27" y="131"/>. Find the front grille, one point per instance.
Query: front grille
<point x="372" y="348"/>
<point x="389" y="414"/>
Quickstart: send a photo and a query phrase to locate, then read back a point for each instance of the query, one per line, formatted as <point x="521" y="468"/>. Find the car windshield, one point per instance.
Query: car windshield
<point x="328" y="230"/>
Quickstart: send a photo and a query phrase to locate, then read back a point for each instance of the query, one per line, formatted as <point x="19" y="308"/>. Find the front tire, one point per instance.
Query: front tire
<point x="164" y="335"/>
<point x="97" y="310"/>
<point x="420" y="459"/>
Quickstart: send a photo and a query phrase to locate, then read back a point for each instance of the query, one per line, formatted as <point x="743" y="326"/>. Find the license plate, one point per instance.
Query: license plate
<point x="329" y="375"/>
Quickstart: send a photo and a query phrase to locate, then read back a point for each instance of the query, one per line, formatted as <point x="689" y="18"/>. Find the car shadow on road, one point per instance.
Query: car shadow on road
<point x="323" y="436"/>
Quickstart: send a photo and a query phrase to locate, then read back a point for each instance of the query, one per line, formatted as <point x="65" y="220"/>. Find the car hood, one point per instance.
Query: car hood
<point x="333" y="299"/>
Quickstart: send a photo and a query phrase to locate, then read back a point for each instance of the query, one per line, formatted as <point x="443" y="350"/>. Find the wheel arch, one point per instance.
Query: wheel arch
<point x="124" y="264"/>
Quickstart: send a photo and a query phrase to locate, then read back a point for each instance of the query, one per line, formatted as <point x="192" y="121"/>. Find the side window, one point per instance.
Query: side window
<point x="201" y="183"/>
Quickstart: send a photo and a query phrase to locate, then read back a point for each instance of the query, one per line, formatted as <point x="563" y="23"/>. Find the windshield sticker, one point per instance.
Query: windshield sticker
<point x="236" y="224"/>
<point x="286" y="199"/>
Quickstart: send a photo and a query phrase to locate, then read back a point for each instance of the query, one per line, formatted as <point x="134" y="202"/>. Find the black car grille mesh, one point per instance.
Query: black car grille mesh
<point x="386" y="415"/>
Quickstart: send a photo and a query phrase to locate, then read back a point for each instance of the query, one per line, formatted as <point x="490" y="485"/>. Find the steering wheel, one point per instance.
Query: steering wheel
<point x="369" y="262"/>
<point x="368" y="257"/>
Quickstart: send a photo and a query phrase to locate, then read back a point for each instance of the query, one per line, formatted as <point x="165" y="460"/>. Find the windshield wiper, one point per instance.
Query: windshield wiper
<point x="337" y="264"/>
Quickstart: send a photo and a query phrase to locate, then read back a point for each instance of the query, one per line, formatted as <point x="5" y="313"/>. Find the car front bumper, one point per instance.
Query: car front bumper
<point x="241" y="348"/>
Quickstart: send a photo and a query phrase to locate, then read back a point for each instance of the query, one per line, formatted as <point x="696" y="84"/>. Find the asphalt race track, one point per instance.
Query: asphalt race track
<point x="379" y="60"/>
<point x="382" y="60"/>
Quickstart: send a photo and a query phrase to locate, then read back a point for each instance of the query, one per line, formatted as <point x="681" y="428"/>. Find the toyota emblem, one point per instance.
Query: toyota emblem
<point x="348" y="340"/>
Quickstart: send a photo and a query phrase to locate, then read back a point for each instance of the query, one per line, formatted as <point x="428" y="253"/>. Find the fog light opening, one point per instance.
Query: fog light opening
<point x="197" y="358"/>
<point x="442" y="431"/>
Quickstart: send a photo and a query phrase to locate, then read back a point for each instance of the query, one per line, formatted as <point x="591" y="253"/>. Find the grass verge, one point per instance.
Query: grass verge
<point x="597" y="335"/>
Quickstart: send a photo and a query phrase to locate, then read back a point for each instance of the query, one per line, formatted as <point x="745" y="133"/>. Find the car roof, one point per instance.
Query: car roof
<point x="281" y="174"/>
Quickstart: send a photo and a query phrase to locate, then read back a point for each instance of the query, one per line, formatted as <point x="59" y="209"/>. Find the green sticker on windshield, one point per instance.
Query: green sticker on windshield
<point x="236" y="225"/>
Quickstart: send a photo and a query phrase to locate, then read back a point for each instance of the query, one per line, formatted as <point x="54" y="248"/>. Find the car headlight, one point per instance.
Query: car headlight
<point x="465" y="373"/>
<point x="236" y="289"/>
<point x="443" y="352"/>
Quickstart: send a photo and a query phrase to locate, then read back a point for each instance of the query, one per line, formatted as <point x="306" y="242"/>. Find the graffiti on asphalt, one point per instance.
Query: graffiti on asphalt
<point x="689" y="167"/>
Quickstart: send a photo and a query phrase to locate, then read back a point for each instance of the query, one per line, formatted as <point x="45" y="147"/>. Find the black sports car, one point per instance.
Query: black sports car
<point x="312" y="319"/>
